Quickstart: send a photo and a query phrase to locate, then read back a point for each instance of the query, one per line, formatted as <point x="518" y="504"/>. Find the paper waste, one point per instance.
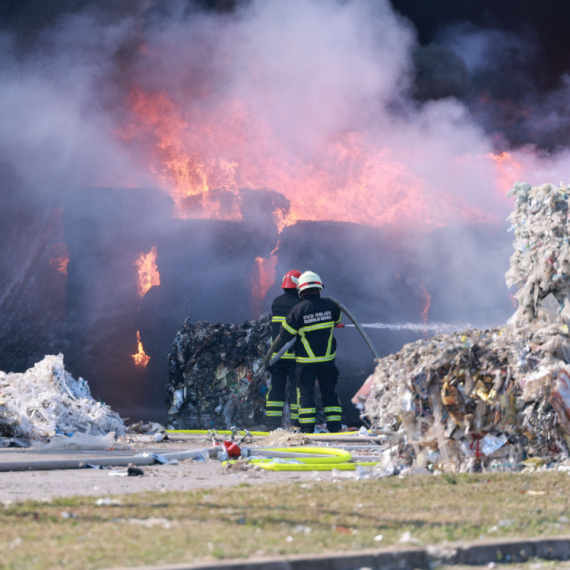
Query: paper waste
<point x="497" y="398"/>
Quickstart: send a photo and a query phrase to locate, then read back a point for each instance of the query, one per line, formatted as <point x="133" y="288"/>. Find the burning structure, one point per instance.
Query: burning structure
<point x="305" y="134"/>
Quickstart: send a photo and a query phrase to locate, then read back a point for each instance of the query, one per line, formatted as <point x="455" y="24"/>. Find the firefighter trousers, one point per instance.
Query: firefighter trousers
<point x="282" y="390"/>
<point x="326" y="373"/>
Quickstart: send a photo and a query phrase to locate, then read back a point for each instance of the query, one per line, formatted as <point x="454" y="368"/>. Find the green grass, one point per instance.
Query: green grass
<point x="257" y="520"/>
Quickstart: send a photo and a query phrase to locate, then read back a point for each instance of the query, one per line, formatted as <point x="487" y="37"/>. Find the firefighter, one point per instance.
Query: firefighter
<point x="313" y="321"/>
<point x="284" y="369"/>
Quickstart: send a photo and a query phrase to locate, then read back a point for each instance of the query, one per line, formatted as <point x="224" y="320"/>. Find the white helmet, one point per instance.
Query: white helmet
<point x="309" y="280"/>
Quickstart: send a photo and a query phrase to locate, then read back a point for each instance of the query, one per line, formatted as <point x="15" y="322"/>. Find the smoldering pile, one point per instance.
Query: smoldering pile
<point x="493" y="398"/>
<point x="46" y="400"/>
<point x="213" y="381"/>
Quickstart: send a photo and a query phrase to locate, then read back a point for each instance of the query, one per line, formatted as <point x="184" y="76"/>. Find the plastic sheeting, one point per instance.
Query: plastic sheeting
<point x="46" y="400"/>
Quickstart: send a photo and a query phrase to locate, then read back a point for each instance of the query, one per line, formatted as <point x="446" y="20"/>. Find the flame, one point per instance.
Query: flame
<point x="176" y="158"/>
<point x="263" y="278"/>
<point x="426" y="300"/>
<point x="141" y="359"/>
<point x="61" y="261"/>
<point x="509" y="170"/>
<point x="148" y="271"/>
<point x="204" y="155"/>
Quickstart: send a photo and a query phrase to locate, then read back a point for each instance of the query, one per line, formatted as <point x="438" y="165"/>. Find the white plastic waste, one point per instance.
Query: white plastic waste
<point x="46" y="400"/>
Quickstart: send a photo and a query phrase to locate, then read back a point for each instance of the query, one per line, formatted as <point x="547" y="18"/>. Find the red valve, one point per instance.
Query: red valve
<point x="232" y="449"/>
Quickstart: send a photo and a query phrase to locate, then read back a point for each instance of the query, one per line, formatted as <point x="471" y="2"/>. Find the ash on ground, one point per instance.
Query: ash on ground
<point x="213" y="380"/>
<point x="498" y="398"/>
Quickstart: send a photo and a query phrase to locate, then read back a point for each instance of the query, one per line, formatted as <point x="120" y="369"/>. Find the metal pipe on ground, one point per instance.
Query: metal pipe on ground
<point x="141" y="460"/>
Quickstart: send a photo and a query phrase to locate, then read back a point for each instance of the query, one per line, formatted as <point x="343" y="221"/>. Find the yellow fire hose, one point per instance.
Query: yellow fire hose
<point x="330" y="458"/>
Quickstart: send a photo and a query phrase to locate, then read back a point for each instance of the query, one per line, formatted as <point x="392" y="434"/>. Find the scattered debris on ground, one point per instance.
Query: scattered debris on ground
<point x="46" y="400"/>
<point x="212" y="378"/>
<point x="142" y="432"/>
<point x="496" y="398"/>
<point x="284" y="438"/>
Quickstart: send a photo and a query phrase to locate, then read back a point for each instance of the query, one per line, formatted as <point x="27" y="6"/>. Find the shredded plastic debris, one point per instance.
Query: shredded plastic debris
<point x="540" y="265"/>
<point x="212" y="378"/>
<point x="283" y="438"/>
<point x="46" y="400"/>
<point x="497" y="398"/>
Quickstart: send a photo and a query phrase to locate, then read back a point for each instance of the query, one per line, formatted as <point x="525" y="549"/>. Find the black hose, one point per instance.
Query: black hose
<point x="357" y="325"/>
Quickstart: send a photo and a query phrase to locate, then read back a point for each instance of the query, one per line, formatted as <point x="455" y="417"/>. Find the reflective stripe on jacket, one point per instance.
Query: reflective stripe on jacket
<point x="312" y="321"/>
<point x="279" y="310"/>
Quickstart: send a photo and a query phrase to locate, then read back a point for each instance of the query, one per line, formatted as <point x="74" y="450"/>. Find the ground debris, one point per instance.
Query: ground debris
<point x="241" y="464"/>
<point x="213" y="381"/>
<point x="283" y="438"/>
<point x="497" y="398"/>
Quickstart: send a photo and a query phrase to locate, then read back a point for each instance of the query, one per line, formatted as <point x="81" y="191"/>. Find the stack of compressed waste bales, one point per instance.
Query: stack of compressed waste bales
<point x="540" y="265"/>
<point x="46" y="400"/>
<point x="213" y="381"/>
<point x="496" y="398"/>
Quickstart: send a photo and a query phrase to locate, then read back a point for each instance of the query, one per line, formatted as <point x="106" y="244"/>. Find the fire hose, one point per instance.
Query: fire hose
<point x="357" y="325"/>
<point x="303" y="459"/>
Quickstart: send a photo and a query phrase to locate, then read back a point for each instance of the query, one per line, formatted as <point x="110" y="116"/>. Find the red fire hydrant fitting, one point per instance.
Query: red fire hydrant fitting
<point x="232" y="449"/>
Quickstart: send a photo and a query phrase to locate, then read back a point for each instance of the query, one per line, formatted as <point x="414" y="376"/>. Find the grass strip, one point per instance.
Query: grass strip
<point x="264" y="520"/>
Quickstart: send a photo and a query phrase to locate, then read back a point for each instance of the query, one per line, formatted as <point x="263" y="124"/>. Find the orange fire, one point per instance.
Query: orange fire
<point x="203" y="156"/>
<point x="509" y="171"/>
<point x="148" y="271"/>
<point x="426" y="299"/>
<point x="61" y="261"/>
<point x="263" y="278"/>
<point x="141" y="359"/>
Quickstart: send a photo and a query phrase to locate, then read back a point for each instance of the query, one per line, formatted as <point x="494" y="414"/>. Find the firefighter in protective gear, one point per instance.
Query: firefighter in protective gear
<point x="313" y="321"/>
<point x="284" y="369"/>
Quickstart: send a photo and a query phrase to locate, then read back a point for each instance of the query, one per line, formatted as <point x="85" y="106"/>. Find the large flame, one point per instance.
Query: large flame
<point x="203" y="157"/>
<point x="141" y="359"/>
<point x="148" y="271"/>
<point x="263" y="278"/>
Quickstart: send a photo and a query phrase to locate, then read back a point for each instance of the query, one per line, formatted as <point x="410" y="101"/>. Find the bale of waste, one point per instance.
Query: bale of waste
<point x="213" y="375"/>
<point x="495" y="398"/>
<point x="46" y="400"/>
<point x="478" y="398"/>
<point x="540" y="264"/>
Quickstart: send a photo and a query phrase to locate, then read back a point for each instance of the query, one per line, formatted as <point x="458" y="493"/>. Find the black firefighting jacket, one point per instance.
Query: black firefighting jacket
<point x="279" y="310"/>
<point x="313" y="321"/>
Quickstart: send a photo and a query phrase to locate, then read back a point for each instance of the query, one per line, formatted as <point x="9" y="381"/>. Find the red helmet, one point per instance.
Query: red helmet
<point x="290" y="279"/>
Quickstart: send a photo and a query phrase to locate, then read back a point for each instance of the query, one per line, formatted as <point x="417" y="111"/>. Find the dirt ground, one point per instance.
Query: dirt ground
<point x="187" y="475"/>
